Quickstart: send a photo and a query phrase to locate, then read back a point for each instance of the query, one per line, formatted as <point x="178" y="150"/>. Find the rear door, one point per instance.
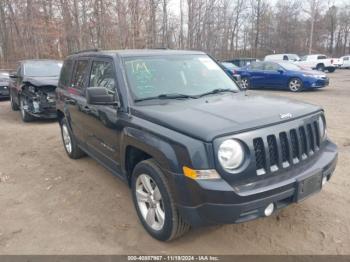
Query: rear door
<point x="257" y="74"/>
<point x="75" y="101"/>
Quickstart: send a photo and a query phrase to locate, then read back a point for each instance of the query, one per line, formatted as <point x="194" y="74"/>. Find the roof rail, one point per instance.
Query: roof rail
<point x="87" y="50"/>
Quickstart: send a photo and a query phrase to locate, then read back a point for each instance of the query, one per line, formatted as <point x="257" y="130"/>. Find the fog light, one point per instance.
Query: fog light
<point x="269" y="209"/>
<point x="324" y="180"/>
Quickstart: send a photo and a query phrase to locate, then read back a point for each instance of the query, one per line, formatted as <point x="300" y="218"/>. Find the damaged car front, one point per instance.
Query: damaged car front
<point x="33" y="89"/>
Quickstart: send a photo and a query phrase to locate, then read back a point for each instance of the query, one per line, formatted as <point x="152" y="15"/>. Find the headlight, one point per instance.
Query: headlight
<point x="322" y="128"/>
<point x="230" y="154"/>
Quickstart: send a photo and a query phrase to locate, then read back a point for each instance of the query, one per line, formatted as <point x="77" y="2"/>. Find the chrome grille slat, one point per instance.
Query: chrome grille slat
<point x="286" y="148"/>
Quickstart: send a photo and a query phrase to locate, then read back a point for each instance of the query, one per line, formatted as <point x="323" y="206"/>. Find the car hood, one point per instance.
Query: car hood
<point x="41" y="81"/>
<point x="219" y="115"/>
<point x="309" y="72"/>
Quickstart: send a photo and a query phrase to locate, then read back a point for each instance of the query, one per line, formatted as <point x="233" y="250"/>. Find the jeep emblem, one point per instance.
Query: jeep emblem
<point x="287" y="115"/>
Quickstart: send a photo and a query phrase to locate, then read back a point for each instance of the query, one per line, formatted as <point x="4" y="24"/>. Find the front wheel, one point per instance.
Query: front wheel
<point x="154" y="204"/>
<point x="26" y="117"/>
<point x="295" y="85"/>
<point x="14" y="105"/>
<point x="331" y="69"/>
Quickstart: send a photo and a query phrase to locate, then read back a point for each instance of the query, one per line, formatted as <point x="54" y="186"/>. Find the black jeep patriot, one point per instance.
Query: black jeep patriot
<point x="193" y="147"/>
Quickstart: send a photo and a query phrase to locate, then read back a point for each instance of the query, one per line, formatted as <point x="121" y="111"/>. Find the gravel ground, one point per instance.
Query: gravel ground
<point x="50" y="204"/>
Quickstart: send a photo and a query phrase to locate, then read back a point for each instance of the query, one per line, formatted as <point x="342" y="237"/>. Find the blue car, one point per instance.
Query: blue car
<point x="281" y="75"/>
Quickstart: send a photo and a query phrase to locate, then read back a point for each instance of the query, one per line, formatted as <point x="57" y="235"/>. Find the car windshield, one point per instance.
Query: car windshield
<point x="184" y="75"/>
<point x="42" y="68"/>
<point x="290" y="66"/>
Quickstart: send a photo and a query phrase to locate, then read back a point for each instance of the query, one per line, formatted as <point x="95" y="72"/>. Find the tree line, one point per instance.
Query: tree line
<point x="222" y="28"/>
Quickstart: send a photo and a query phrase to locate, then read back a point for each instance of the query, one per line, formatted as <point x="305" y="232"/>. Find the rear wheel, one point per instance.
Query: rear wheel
<point x="26" y="117"/>
<point x="295" y="85"/>
<point x="245" y="83"/>
<point x="154" y="203"/>
<point x="69" y="141"/>
<point x="320" y="67"/>
<point x="14" y="106"/>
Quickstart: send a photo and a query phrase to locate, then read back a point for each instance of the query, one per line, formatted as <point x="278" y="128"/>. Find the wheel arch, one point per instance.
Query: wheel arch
<point x="138" y="145"/>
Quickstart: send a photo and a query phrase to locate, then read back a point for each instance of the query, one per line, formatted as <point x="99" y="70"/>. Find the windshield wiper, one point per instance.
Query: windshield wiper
<point x="216" y="91"/>
<point x="166" y="96"/>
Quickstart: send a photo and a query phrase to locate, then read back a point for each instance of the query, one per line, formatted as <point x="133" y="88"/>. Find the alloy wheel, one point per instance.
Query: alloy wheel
<point x="244" y="83"/>
<point x="66" y="138"/>
<point x="294" y="85"/>
<point x="23" y="112"/>
<point x="149" y="201"/>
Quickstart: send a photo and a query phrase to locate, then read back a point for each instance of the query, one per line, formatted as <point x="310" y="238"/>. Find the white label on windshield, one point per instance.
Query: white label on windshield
<point x="210" y="64"/>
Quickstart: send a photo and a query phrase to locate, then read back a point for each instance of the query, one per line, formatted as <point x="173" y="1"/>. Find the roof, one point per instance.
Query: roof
<point x="138" y="52"/>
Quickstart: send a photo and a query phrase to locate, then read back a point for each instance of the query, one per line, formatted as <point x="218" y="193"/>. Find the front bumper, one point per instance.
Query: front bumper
<point x="217" y="202"/>
<point x="4" y="91"/>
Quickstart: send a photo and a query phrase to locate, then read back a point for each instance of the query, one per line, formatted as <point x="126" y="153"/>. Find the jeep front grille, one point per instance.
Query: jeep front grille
<point x="281" y="150"/>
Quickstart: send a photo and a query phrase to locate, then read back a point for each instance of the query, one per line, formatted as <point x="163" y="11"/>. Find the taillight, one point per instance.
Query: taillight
<point x="234" y="71"/>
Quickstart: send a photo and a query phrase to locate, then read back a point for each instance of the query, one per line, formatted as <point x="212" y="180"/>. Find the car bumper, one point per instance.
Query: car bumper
<point x="217" y="202"/>
<point x="4" y="92"/>
<point x="319" y="83"/>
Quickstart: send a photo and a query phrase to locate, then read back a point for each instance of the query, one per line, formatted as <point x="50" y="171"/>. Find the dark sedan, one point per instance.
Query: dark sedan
<point x="281" y="75"/>
<point x="4" y="84"/>
<point x="32" y="90"/>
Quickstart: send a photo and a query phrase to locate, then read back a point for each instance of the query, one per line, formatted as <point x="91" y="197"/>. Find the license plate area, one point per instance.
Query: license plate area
<point x="308" y="186"/>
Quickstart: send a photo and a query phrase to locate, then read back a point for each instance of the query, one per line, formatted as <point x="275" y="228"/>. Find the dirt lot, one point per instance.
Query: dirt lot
<point x="50" y="204"/>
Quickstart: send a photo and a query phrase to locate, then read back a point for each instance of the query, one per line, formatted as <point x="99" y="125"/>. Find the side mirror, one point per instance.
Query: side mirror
<point x="101" y="96"/>
<point x="280" y="71"/>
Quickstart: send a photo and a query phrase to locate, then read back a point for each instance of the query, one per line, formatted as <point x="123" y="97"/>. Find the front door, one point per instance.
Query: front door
<point x="275" y="76"/>
<point x="104" y="126"/>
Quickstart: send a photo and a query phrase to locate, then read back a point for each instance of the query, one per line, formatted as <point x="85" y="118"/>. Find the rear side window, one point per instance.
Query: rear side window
<point x="271" y="67"/>
<point x="256" y="66"/>
<point x="102" y="75"/>
<point x="346" y="58"/>
<point x="78" y="78"/>
<point x="66" y="73"/>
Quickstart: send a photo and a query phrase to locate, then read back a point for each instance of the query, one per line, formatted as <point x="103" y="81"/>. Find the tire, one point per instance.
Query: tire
<point x="26" y="117"/>
<point x="164" y="222"/>
<point x="320" y="67"/>
<point x="69" y="142"/>
<point x="14" y="106"/>
<point x="331" y="69"/>
<point x="245" y="83"/>
<point x="295" y="85"/>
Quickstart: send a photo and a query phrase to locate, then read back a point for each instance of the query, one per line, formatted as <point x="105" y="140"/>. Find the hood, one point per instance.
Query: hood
<point x="311" y="72"/>
<point x="219" y="115"/>
<point x="41" y="81"/>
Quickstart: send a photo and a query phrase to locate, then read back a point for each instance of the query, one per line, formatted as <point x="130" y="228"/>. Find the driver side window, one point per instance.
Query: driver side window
<point x="102" y="75"/>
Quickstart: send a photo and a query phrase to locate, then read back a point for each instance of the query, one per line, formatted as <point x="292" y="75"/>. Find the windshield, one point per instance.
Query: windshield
<point x="290" y="66"/>
<point x="189" y="75"/>
<point x="42" y="68"/>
